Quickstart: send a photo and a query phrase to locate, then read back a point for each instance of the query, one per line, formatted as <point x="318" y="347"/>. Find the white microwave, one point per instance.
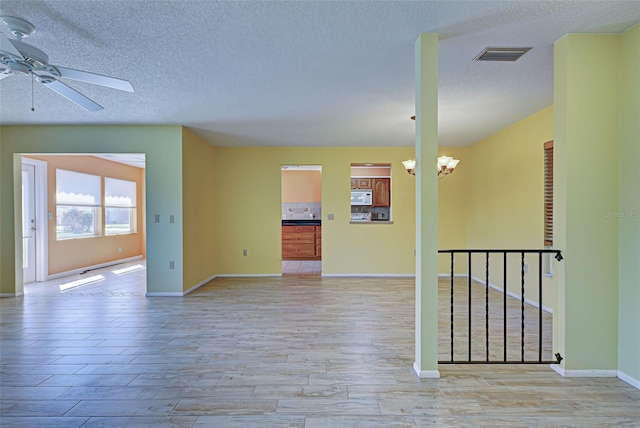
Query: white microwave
<point x="361" y="197"/>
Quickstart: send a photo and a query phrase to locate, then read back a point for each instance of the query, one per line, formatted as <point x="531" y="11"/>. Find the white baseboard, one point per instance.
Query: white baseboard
<point x="198" y="285"/>
<point x="425" y="374"/>
<point x="512" y="294"/>
<point x="631" y="381"/>
<point x="247" y="275"/>
<point x="17" y="294"/>
<point x="584" y="373"/>
<point x="164" y="294"/>
<point x="98" y="266"/>
<point x="369" y="275"/>
<point x="556" y="368"/>
<point x="455" y="275"/>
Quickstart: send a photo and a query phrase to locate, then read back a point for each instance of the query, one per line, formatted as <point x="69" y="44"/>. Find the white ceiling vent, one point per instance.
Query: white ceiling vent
<point x="501" y="54"/>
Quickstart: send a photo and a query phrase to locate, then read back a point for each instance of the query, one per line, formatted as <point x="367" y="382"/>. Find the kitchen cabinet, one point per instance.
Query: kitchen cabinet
<point x="319" y="242"/>
<point x="381" y="192"/>
<point x="361" y="183"/>
<point x="301" y="242"/>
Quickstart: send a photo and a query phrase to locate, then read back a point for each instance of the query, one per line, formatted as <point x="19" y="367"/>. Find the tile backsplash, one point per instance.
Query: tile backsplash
<point x="301" y="210"/>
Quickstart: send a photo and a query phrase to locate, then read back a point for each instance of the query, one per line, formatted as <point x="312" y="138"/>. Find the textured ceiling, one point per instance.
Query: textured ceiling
<point x="299" y="72"/>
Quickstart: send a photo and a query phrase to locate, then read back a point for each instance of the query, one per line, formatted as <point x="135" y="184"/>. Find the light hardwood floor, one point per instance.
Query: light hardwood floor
<point x="244" y="352"/>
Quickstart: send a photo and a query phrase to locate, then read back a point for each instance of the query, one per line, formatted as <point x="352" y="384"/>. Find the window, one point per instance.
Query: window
<point x="78" y="205"/>
<point x="120" y="206"/>
<point x="548" y="193"/>
<point x="371" y="193"/>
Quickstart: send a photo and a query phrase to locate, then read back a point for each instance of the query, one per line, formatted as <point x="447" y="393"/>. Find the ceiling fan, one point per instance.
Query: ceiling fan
<point x="17" y="57"/>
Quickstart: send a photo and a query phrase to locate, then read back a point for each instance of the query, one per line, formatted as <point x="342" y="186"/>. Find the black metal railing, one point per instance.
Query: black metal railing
<point x="489" y="338"/>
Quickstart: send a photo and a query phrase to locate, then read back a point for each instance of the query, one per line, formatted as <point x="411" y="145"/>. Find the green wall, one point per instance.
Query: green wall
<point x="162" y="146"/>
<point x="587" y="120"/>
<point x="629" y="206"/>
<point x="426" y="147"/>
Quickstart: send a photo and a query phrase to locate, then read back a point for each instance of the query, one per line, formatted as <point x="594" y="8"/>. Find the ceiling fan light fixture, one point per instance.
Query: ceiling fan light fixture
<point x="18" y="57"/>
<point x="501" y="54"/>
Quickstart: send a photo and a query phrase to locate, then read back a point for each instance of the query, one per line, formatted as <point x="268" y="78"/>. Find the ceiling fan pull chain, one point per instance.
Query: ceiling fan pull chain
<point x="32" y="109"/>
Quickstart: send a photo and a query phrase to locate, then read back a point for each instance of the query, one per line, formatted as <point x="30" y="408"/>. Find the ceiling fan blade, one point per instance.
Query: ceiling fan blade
<point x="96" y="79"/>
<point x="7" y="47"/>
<point x="72" y="95"/>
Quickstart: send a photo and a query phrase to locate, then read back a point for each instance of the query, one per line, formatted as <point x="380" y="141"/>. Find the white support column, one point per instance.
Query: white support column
<point x="426" y="54"/>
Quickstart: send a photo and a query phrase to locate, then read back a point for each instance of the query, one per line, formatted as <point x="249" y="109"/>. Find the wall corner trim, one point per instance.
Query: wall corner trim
<point x="198" y="285"/>
<point x="556" y="368"/>
<point x="425" y="374"/>
<point x="631" y="381"/>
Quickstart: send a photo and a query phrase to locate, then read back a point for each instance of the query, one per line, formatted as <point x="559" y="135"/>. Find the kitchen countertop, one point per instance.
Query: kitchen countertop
<point x="309" y="222"/>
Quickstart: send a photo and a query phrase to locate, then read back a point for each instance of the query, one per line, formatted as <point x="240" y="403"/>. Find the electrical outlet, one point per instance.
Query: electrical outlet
<point x="172" y="264"/>
<point x="329" y="216"/>
<point x="171" y="218"/>
<point x="119" y="249"/>
<point x="244" y="252"/>
<point x="156" y="218"/>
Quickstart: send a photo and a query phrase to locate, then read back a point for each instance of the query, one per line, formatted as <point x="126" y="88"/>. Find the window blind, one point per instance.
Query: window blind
<point x="548" y="193"/>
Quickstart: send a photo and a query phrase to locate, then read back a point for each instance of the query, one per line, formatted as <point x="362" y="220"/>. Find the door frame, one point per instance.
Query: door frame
<point x="42" y="241"/>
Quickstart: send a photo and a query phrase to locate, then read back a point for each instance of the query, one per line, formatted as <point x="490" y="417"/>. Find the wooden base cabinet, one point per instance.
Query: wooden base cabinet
<point x="301" y="242"/>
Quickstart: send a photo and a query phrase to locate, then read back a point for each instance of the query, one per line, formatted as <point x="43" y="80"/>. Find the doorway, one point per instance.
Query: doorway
<point x="90" y="226"/>
<point x="301" y="205"/>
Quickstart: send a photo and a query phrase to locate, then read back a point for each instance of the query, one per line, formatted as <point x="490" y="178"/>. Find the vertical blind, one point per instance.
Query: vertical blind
<point x="548" y="193"/>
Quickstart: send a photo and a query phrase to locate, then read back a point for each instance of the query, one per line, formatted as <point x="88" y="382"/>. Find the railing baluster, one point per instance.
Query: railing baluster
<point x="469" y="277"/>
<point x="486" y="306"/>
<point x="522" y="302"/>
<point x="504" y="309"/>
<point x="451" y="306"/>
<point x="540" y="307"/>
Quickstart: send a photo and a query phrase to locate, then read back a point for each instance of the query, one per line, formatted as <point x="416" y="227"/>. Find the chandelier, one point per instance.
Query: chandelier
<point x="445" y="165"/>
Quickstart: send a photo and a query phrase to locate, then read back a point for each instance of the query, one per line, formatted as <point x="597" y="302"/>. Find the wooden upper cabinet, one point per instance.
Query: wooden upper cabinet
<point x="361" y="183"/>
<point x="381" y="192"/>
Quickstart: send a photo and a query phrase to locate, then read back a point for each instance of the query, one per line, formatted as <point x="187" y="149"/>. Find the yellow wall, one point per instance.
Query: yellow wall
<point x="301" y="186"/>
<point x="587" y="137"/>
<point x="629" y="206"/>
<point x="453" y="207"/>
<point x="505" y="206"/>
<point x="71" y="254"/>
<point x="248" y="211"/>
<point x="198" y="207"/>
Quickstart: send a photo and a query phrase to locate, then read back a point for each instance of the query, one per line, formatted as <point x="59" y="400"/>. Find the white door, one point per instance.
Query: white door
<point x="28" y="223"/>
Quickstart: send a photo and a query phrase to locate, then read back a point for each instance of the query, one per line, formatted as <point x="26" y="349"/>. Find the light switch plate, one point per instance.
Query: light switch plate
<point x="329" y="216"/>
